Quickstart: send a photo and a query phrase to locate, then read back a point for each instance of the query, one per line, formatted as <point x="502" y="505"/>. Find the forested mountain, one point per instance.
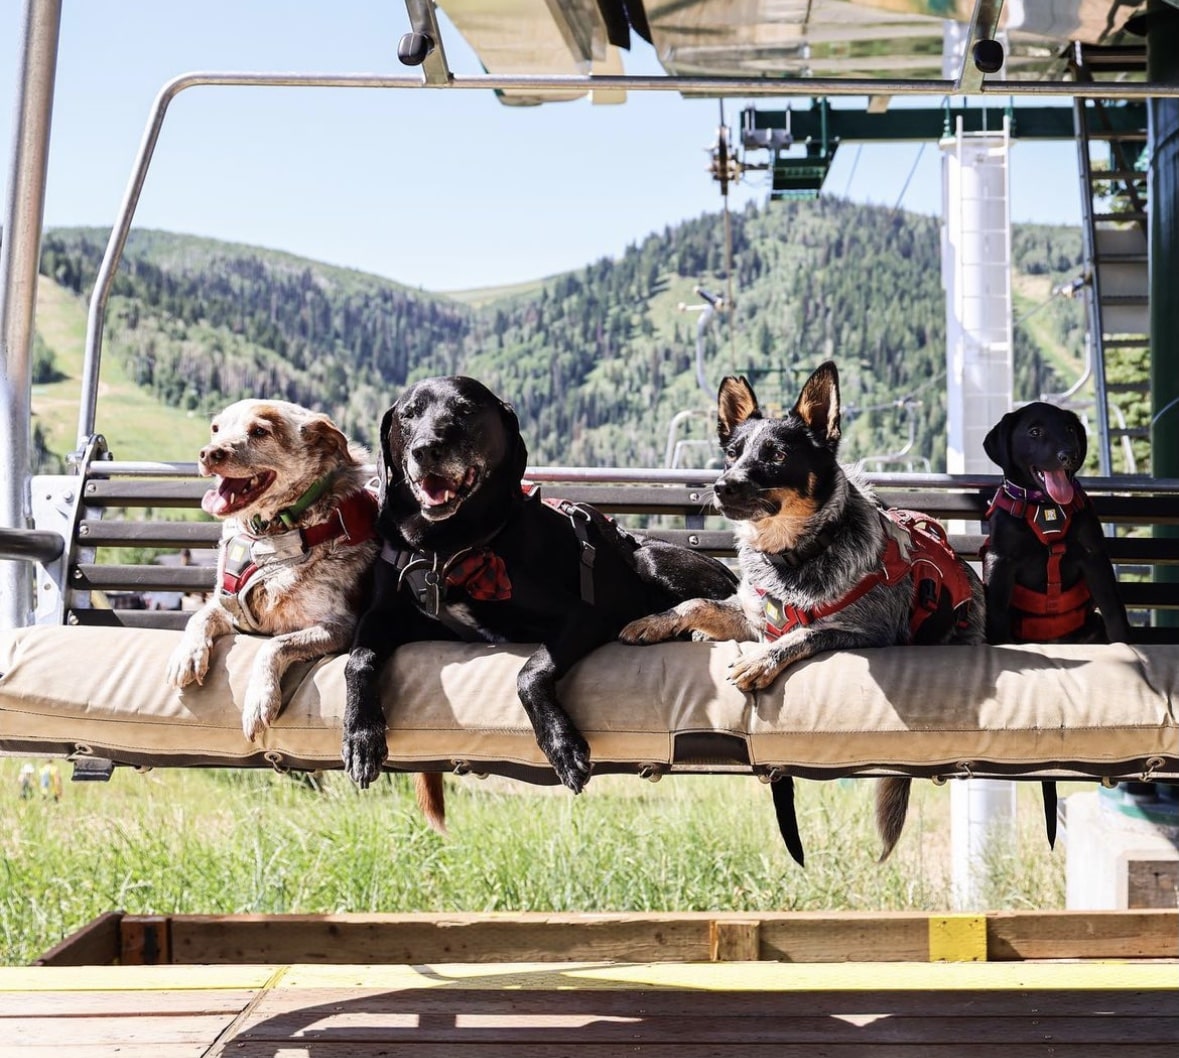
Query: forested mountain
<point x="597" y="362"/>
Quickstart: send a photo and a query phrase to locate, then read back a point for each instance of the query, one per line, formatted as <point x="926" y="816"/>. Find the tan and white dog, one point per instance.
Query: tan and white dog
<point x="297" y="543"/>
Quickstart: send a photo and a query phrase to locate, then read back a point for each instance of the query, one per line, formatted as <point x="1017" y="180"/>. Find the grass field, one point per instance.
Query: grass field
<point x="135" y="424"/>
<point x="215" y="842"/>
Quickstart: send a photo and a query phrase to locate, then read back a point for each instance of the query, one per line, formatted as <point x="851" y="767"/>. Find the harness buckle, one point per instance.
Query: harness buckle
<point x="281" y="547"/>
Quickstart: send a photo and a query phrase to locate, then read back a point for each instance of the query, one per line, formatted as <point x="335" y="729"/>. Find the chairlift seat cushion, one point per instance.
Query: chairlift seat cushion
<point x="1059" y="711"/>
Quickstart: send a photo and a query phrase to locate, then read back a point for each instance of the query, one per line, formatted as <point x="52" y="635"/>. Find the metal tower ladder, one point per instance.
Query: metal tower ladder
<point x="1114" y="236"/>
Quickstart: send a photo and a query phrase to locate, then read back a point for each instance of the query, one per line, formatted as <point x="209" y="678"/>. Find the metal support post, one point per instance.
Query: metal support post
<point x="19" y="258"/>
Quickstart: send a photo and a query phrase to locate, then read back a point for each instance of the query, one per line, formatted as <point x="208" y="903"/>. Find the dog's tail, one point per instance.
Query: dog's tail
<point x="427" y="789"/>
<point x="892" y="805"/>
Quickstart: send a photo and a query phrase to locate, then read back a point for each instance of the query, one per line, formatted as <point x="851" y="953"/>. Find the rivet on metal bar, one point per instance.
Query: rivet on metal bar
<point x="651" y="772"/>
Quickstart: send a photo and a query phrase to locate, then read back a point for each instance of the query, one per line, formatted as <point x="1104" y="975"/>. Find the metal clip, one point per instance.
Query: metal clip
<point x="1152" y="765"/>
<point x="651" y="772"/>
<point x="1108" y="783"/>
<point x="772" y="775"/>
<point x="463" y="767"/>
<point x="275" y="760"/>
<point x="966" y="767"/>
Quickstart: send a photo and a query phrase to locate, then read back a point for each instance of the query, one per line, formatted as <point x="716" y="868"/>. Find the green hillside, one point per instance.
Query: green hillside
<point x="597" y="362"/>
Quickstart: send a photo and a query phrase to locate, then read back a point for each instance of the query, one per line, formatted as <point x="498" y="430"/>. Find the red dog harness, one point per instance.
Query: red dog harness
<point x="1040" y="617"/>
<point x="927" y="555"/>
<point x="250" y="559"/>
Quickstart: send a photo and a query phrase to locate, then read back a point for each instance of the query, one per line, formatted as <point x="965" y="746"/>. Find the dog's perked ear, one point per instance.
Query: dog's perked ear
<point x="518" y="457"/>
<point x="818" y="405"/>
<point x="997" y="443"/>
<point x="735" y="403"/>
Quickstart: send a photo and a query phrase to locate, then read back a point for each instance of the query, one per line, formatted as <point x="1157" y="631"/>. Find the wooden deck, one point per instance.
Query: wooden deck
<point x="593" y="1010"/>
<point x="210" y="995"/>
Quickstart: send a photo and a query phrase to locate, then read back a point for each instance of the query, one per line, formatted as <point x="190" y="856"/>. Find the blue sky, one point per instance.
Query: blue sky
<point x="443" y="190"/>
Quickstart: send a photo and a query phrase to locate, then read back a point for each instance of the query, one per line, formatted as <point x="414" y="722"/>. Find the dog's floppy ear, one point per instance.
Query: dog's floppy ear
<point x="997" y="443"/>
<point x="1082" y="437"/>
<point x="735" y="403"/>
<point x="324" y="437"/>
<point x="517" y="456"/>
<point x="818" y="404"/>
<point x="385" y="465"/>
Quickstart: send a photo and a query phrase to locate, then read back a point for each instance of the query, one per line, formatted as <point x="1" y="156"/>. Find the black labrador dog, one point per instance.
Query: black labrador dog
<point x="468" y="554"/>
<point x="1047" y="572"/>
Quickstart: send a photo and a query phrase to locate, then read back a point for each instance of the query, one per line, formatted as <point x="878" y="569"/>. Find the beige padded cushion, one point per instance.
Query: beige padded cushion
<point x="932" y="708"/>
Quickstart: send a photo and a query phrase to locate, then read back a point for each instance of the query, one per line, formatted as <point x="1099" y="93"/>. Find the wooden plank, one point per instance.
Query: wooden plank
<point x="696" y="1023"/>
<point x="957" y="1049"/>
<point x="810" y="937"/>
<point x="146" y="940"/>
<point x="439" y="939"/>
<point x="734" y="940"/>
<point x="135" y="1029"/>
<point x="114" y="1002"/>
<point x="96" y="942"/>
<point x="1144" y="934"/>
<point x="505" y="997"/>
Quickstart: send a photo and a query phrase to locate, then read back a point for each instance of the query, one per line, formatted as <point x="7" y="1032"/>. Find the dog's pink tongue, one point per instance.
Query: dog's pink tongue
<point x="438" y="489"/>
<point x="213" y="503"/>
<point x="1059" y="486"/>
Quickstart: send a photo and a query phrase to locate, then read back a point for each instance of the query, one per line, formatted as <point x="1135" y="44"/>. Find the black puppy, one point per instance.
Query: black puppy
<point x="1046" y="568"/>
<point x="468" y="555"/>
<point x="1047" y="572"/>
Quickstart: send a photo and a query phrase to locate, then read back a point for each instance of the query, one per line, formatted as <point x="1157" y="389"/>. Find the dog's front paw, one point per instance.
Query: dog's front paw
<point x="657" y="628"/>
<point x="261" y="706"/>
<point x="569" y="755"/>
<point x="364" y="751"/>
<point x="755" y="671"/>
<point x="188" y="664"/>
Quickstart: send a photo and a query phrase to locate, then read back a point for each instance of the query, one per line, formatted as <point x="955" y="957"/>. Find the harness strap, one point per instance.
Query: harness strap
<point x="249" y="559"/>
<point x="1040" y="617"/>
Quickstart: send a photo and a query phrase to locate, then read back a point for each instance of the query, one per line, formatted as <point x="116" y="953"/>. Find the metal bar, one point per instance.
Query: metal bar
<point x="19" y="258"/>
<point x="755" y="86"/>
<point x="435" y="68"/>
<point x="983" y="26"/>
<point x="30" y="545"/>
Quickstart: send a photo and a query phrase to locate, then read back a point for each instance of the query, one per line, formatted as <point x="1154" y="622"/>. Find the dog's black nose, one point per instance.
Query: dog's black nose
<point x="212" y="455"/>
<point x="1065" y="457"/>
<point x="426" y="453"/>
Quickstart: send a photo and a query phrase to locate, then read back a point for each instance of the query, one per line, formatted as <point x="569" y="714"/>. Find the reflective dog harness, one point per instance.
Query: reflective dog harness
<point x="927" y="555"/>
<point x="250" y="559"/>
<point x="478" y="570"/>
<point x="1041" y="617"/>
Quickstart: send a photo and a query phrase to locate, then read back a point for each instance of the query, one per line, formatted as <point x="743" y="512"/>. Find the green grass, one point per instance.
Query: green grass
<point x="217" y="842"/>
<point x="135" y="424"/>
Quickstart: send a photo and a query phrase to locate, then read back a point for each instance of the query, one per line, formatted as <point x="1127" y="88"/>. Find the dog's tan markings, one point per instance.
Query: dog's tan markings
<point x="735" y="404"/>
<point x="818" y="403"/>
<point x="723" y="619"/>
<point x="779" y="532"/>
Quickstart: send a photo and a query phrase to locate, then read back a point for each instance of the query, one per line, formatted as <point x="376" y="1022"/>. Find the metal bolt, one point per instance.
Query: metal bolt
<point x="694" y="497"/>
<point x="693" y="540"/>
<point x="83" y="530"/>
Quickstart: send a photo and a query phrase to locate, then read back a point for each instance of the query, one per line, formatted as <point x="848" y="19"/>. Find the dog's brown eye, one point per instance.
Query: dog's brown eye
<point x="1035" y="431"/>
<point x="258" y="432"/>
<point x="778" y="456"/>
<point x="214" y="428"/>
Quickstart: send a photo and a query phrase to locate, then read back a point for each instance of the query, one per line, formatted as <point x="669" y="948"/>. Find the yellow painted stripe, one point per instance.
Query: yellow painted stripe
<point x="720" y="977"/>
<point x="958" y="938"/>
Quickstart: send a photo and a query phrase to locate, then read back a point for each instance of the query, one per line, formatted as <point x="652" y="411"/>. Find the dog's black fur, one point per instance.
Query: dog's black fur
<point x="808" y="533"/>
<point x="452" y="460"/>
<point x="1040" y="448"/>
